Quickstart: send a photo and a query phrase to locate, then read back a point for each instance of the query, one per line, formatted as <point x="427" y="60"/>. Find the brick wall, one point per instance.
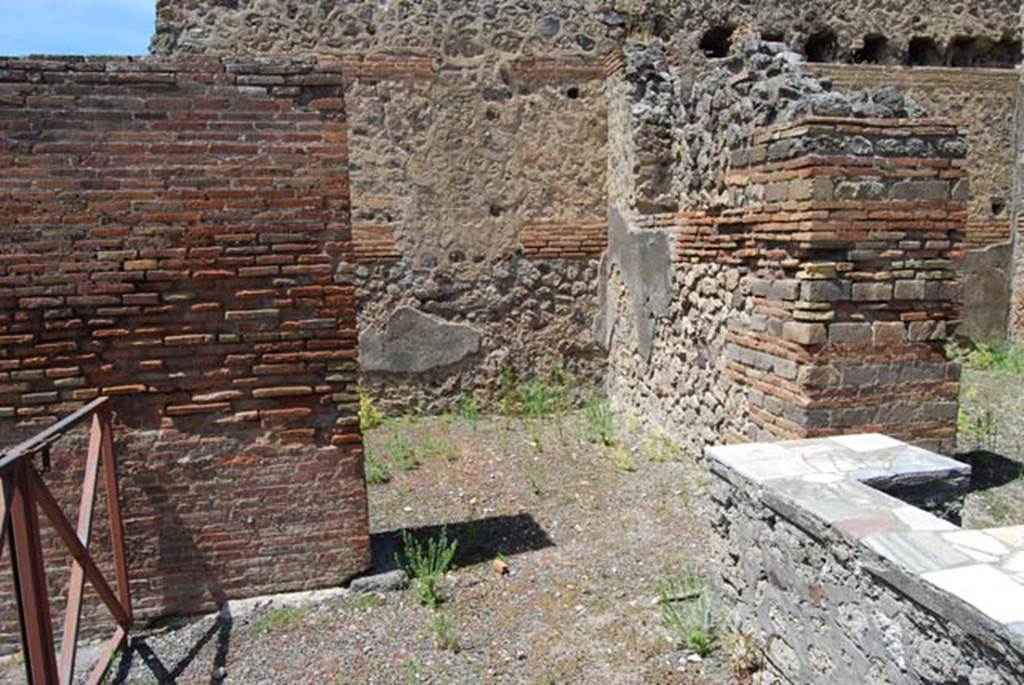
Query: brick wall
<point x="846" y="232"/>
<point x="178" y="237"/>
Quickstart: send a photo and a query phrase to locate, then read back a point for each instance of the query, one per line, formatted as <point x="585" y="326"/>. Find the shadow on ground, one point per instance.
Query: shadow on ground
<point x="990" y="470"/>
<point x="168" y="673"/>
<point x="479" y="540"/>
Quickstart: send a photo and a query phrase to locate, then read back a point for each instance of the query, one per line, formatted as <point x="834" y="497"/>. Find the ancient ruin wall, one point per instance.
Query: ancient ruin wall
<point x="479" y="148"/>
<point x="987" y="100"/>
<point x="178" y="238"/>
<point x="834" y="249"/>
<point x="467" y="30"/>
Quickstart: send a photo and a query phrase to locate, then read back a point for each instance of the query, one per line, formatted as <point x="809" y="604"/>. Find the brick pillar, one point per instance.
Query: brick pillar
<point x="849" y="228"/>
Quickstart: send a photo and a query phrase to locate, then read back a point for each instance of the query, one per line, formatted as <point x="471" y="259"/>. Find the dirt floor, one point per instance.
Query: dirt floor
<point x="588" y="532"/>
<point x="991" y="439"/>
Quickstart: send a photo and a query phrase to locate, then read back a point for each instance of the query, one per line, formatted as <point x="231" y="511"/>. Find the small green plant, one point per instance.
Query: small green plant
<point x="623" y="459"/>
<point x="468" y="408"/>
<point x="369" y="416"/>
<point x="446" y="633"/>
<point x="363" y="602"/>
<point x="979" y="426"/>
<point x="376" y="469"/>
<point x="659" y="449"/>
<point x="428" y="563"/>
<point x="996" y="357"/>
<point x="414" y="669"/>
<point x="276" y="619"/>
<point x="440" y="447"/>
<point x="689" y="612"/>
<point x="600" y="421"/>
<point x="402" y="452"/>
<point x="535" y="397"/>
<point x="533" y="476"/>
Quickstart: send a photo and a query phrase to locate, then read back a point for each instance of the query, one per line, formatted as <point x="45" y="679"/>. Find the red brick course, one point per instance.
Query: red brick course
<point x="564" y="240"/>
<point x="850" y="259"/>
<point x="178" y="236"/>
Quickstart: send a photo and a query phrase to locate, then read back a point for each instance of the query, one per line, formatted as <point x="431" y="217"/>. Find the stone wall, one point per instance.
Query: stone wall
<point x="986" y="99"/>
<point x="178" y="238"/>
<point x="474" y="124"/>
<point x="838" y="582"/>
<point x="833" y="238"/>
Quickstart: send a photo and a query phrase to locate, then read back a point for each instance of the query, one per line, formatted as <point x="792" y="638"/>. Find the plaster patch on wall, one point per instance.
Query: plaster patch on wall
<point x="645" y="262"/>
<point x="412" y="342"/>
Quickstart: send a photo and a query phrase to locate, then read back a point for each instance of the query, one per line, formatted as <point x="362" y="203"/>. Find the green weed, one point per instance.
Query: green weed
<point x="659" y="449"/>
<point x="535" y="398"/>
<point x="997" y="358"/>
<point x="468" y="409"/>
<point x="446" y="633"/>
<point x="428" y="563"/>
<point x="600" y="422"/>
<point x="689" y="612"/>
<point x="440" y="447"/>
<point x="978" y="425"/>
<point x="402" y="452"/>
<point x="533" y="476"/>
<point x="623" y="459"/>
<point x="376" y="469"/>
<point x="276" y="619"/>
<point x="362" y="602"/>
<point x="369" y="416"/>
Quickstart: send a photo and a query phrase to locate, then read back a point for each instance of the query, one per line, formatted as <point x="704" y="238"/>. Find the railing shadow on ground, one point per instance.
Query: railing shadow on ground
<point x="169" y="674"/>
<point x="479" y="540"/>
<point x="990" y="469"/>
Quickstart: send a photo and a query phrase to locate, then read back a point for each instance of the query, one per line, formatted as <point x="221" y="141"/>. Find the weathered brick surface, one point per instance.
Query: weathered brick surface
<point x="851" y="275"/>
<point x="178" y="236"/>
<point x="572" y="240"/>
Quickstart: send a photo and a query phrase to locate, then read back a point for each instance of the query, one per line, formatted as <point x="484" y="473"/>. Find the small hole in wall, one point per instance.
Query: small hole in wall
<point x="716" y="41"/>
<point x="773" y="36"/>
<point x="998" y="207"/>
<point x="875" y="50"/>
<point x="923" y="52"/>
<point x="497" y="210"/>
<point x="821" y="46"/>
<point x="493" y="114"/>
<point x="573" y="93"/>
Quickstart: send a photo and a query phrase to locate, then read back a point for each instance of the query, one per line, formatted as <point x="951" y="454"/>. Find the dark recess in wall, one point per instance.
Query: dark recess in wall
<point x="716" y="40"/>
<point x="822" y="46"/>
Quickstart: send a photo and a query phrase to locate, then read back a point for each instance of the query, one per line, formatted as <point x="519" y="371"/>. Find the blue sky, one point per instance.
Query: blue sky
<point x="76" y="27"/>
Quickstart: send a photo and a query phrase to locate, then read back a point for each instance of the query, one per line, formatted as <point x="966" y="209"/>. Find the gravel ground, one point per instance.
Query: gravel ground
<point x="991" y="438"/>
<point x="587" y="531"/>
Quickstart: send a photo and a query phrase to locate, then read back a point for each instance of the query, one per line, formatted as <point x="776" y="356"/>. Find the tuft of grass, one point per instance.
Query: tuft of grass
<point x="996" y="358"/>
<point x="440" y="447"/>
<point x="446" y="632"/>
<point x="689" y="611"/>
<point x="402" y="452"/>
<point x="375" y="469"/>
<point x="427" y="563"/>
<point x="363" y="602"/>
<point x="659" y="449"/>
<point x="277" y="619"/>
<point x="600" y="422"/>
<point x="623" y="459"/>
<point x="533" y="476"/>
<point x="979" y="425"/>
<point x="369" y="416"/>
<point x="535" y="397"/>
<point x="468" y="409"/>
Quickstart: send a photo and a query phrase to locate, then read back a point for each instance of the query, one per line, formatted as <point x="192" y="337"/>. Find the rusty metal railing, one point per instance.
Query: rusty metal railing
<point x="24" y="493"/>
